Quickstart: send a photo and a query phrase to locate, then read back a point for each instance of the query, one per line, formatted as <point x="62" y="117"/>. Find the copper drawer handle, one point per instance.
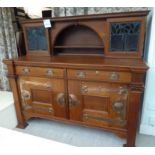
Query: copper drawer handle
<point x="114" y="76"/>
<point x="81" y="74"/>
<point x="26" y="70"/>
<point x="84" y="89"/>
<point x="50" y="72"/>
<point x="123" y="90"/>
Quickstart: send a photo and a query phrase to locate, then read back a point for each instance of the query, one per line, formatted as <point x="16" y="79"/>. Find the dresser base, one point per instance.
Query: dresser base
<point x="121" y="135"/>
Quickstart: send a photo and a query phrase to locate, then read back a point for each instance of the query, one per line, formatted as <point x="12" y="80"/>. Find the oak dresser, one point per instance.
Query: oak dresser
<point x="85" y="70"/>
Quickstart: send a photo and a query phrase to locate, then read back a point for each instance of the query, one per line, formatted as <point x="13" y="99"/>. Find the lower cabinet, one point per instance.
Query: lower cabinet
<point x="97" y="103"/>
<point x="42" y="95"/>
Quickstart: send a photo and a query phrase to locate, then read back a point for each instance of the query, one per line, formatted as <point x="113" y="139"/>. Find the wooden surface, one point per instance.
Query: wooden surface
<point x="91" y="62"/>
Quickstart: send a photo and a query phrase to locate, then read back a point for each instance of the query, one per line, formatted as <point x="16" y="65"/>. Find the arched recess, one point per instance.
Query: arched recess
<point x="78" y="39"/>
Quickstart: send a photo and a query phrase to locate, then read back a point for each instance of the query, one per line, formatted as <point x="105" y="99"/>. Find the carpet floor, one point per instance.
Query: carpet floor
<point x="80" y="136"/>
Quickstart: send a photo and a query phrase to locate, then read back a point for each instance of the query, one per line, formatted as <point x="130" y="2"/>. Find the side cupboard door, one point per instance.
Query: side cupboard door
<point x="98" y="103"/>
<point x="43" y="96"/>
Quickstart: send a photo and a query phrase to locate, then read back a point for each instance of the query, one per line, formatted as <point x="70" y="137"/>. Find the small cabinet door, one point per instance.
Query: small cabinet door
<point x="42" y="95"/>
<point x="98" y="103"/>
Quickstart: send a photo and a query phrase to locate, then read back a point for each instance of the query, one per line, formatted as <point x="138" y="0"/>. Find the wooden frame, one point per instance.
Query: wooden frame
<point x="36" y="52"/>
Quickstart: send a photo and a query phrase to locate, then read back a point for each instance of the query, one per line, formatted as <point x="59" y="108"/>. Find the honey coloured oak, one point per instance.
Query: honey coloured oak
<point x="99" y="75"/>
<point x="40" y="72"/>
<point x="85" y="70"/>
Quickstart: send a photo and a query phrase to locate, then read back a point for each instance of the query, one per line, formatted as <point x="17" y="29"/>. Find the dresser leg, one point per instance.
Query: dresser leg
<point x="21" y="120"/>
<point x="133" y="111"/>
<point x="130" y="140"/>
<point x="22" y="125"/>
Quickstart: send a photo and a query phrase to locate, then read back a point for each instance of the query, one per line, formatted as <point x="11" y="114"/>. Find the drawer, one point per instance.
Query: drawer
<point x="38" y="71"/>
<point x="123" y="77"/>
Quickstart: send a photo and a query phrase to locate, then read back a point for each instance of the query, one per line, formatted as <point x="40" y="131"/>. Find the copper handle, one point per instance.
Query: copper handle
<point x="73" y="101"/>
<point x="118" y="106"/>
<point x="43" y="108"/>
<point x="50" y="72"/>
<point x="114" y="76"/>
<point x="50" y="110"/>
<point x="120" y="122"/>
<point x="81" y="74"/>
<point x="84" y="89"/>
<point x="123" y="90"/>
<point x="61" y="99"/>
<point x="25" y="94"/>
<point x="97" y="72"/>
<point x="26" y="70"/>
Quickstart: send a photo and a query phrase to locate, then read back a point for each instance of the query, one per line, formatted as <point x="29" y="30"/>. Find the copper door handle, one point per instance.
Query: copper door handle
<point x="73" y="101"/>
<point x="118" y="106"/>
<point x="25" y="94"/>
<point x="61" y="99"/>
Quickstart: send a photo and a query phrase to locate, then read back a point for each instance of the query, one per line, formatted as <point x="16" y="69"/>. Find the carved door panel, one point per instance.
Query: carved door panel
<point x="43" y="96"/>
<point x="98" y="103"/>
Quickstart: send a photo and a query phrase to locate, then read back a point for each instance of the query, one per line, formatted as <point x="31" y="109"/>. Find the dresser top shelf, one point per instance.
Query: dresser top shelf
<point x="89" y="62"/>
<point x="92" y="16"/>
<point x="112" y="35"/>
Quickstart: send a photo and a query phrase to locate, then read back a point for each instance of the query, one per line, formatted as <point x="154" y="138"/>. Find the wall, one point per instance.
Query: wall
<point x="72" y="11"/>
<point x="148" y="114"/>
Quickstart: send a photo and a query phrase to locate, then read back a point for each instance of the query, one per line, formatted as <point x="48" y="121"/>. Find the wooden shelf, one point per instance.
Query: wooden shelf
<point x="83" y="54"/>
<point x="79" y="47"/>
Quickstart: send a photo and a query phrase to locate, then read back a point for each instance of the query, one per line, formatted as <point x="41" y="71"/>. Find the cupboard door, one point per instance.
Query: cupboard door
<point x="98" y="103"/>
<point x="42" y="96"/>
<point x="125" y="37"/>
<point x="36" y="38"/>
